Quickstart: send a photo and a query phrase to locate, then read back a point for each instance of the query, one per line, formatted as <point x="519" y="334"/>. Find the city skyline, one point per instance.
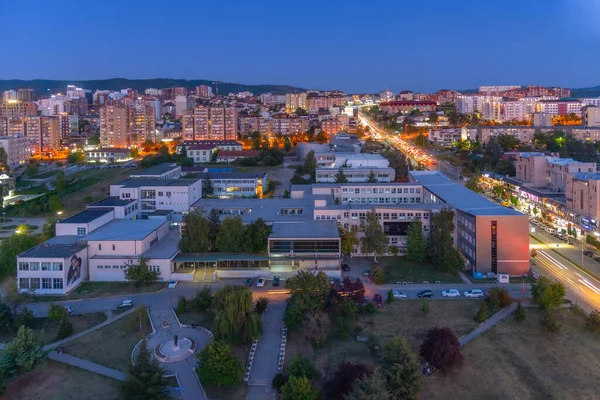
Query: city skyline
<point x="333" y="46"/>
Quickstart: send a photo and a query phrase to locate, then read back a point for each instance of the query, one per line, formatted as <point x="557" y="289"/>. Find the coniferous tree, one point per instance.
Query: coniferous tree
<point x="416" y="246"/>
<point x="145" y="378"/>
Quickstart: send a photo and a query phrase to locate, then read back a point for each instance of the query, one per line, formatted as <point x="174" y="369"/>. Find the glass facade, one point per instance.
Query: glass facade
<point x="304" y="246"/>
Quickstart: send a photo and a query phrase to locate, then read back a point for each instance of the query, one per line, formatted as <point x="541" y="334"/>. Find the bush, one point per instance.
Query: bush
<point x="344" y="380"/>
<point x="217" y="365"/>
<point x="390" y="298"/>
<point x="550" y="322"/>
<point x="202" y="300"/>
<point x="498" y="297"/>
<point x="301" y="366"/>
<point x="482" y="313"/>
<point x="25" y="318"/>
<point x="519" y="313"/>
<point x="56" y="312"/>
<point x="279" y="381"/>
<point x="299" y="388"/>
<point x="442" y="349"/>
<point x="261" y="305"/>
<point x="369" y="308"/>
<point x="425" y="307"/>
<point x="65" y="329"/>
<point x="593" y="321"/>
<point x="377" y="275"/>
<point x="181" y="305"/>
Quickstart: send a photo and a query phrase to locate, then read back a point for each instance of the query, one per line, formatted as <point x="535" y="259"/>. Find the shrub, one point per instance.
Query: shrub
<point x="25" y="318"/>
<point x="345" y="378"/>
<point x="442" y="349"/>
<point x="217" y="365"/>
<point x="390" y="298"/>
<point x="425" y="307"/>
<point x="519" y="313"/>
<point x="370" y="308"/>
<point x="498" y="297"/>
<point x="301" y="366"/>
<point x="550" y="322"/>
<point x="377" y="275"/>
<point x="56" y="312"/>
<point x="202" y="300"/>
<point x="279" y="381"/>
<point x="482" y="313"/>
<point x="261" y="305"/>
<point x="299" y="388"/>
<point x="181" y="305"/>
<point x="593" y="321"/>
<point x="65" y="329"/>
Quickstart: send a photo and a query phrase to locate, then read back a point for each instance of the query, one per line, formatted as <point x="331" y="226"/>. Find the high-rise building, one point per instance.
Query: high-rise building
<point x="17" y="109"/>
<point x="210" y="123"/>
<point x="204" y="91"/>
<point x="180" y="91"/>
<point x="8" y="95"/>
<point x="54" y="105"/>
<point x="182" y="103"/>
<point x="26" y="94"/>
<point x="497" y="90"/>
<point x="143" y="123"/>
<point x="591" y="116"/>
<point x="114" y="127"/>
<point x="44" y="133"/>
<point x="294" y="101"/>
<point x="17" y="149"/>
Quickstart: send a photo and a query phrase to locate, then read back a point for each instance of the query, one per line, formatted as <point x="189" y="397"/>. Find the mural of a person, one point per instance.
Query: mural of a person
<point x="74" y="270"/>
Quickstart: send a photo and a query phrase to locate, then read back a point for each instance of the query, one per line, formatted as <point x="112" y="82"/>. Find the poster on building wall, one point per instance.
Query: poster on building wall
<point x="76" y="271"/>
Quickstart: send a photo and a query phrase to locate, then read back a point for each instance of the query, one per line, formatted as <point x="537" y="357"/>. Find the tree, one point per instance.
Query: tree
<point x="287" y="144"/>
<point x="218" y="365"/>
<point x="433" y="117"/>
<point x="592" y="321"/>
<point x="301" y="112"/>
<point x="482" y="313"/>
<point x="353" y="288"/>
<point x="377" y="275"/>
<point x="372" y="178"/>
<point x="31" y="169"/>
<point x="299" y="388"/>
<point x="547" y="294"/>
<point x="6" y="318"/>
<point x="421" y="140"/>
<point x="374" y="240"/>
<point x="344" y="379"/>
<point x="294" y="316"/>
<point x="195" y="233"/>
<point x="54" y="203"/>
<point x="302" y="366"/>
<point x="493" y="150"/>
<point x="11" y="247"/>
<point x="65" y="329"/>
<point x="181" y="305"/>
<point x="344" y="312"/>
<point x="49" y="229"/>
<point x="403" y="374"/>
<point x="442" y="349"/>
<point x="473" y="184"/>
<point x="340" y="177"/>
<point x="498" y="297"/>
<point x="61" y="183"/>
<point x="75" y="157"/>
<point x="416" y="245"/>
<point x="310" y="164"/>
<point x="390" y="296"/>
<point x="145" y="378"/>
<point x="519" y="313"/>
<point x="349" y="239"/>
<point x="207" y="187"/>
<point x="508" y="142"/>
<point x="309" y="291"/>
<point x="202" y="300"/>
<point x="231" y="235"/>
<point x="214" y="225"/>
<point x="425" y="307"/>
<point x="256" y="236"/>
<point x="261" y="305"/>
<point x="1" y="199"/>
<point x="372" y="387"/>
<point x="25" y="318"/>
<point x="56" y="312"/>
<point x="3" y="159"/>
<point x="441" y="250"/>
<point x="322" y="137"/>
<point x="235" y="319"/>
<point x="550" y="322"/>
<point x="23" y="352"/>
<point x="139" y="273"/>
<point x="13" y="296"/>
<point x="316" y="325"/>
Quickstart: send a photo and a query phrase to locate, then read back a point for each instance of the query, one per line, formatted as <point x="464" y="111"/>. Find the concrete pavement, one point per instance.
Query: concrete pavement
<point x="88" y="365"/>
<point x="489" y="323"/>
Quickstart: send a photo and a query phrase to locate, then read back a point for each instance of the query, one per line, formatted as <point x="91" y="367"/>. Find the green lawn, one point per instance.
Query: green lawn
<point x="204" y="319"/>
<point x="56" y="381"/>
<point x="48" y="328"/>
<point x="399" y="269"/>
<point x="45" y="175"/>
<point x="111" y="346"/>
<point x="100" y="289"/>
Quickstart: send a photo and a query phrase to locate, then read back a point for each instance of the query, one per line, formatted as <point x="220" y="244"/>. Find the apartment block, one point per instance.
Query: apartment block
<point x="204" y="91"/>
<point x="17" y="148"/>
<point x="127" y="125"/>
<point x="293" y="101"/>
<point x="17" y="109"/>
<point x="45" y="133"/>
<point x="591" y="116"/>
<point x="210" y="123"/>
<point x="407" y="106"/>
<point x="583" y="197"/>
<point x="539" y="170"/>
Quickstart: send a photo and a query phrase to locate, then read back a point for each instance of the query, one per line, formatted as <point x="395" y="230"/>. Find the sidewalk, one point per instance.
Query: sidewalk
<point x="491" y="322"/>
<point x="88" y="365"/>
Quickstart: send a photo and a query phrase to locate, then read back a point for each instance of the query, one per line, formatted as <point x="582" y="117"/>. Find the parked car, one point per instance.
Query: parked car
<point x="276" y="280"/>
<point x="398" y="294"/>
<point x="172" y="284"/>
<point x="474" y="293"/>
<point x="249" y="282"/>
<point x="378" y="300"/>
<point x="260" y="282"/>
<point x="451" y="293"/>
<point x="69" y="309"/>
<point x="425" y="293"/>
<point x="126" y="304"/>
<point x="345" y="267"/>
<point x="588" y="253"/>
<point x="367" y="272"/>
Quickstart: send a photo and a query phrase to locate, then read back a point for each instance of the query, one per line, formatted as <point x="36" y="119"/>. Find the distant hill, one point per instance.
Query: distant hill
<point x="42" y="85"/>
<point x="586" y="92"/>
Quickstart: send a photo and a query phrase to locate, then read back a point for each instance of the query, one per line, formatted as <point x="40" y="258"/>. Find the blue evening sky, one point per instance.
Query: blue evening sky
<point x="355" y="46"/>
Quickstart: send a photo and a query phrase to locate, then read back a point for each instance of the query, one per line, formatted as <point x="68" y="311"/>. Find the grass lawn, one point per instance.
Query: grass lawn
<point x="399" y="269"/>
<point x="401" y="318"/>
<point x="48" y="328"/>
<point x="520" y="361"/>
<point x="111" y="346"/>
<point x="100" y="289"/>
<point x="45" y="175"/>
<point x="204" y="319"/>
<point x="56" y="381"/>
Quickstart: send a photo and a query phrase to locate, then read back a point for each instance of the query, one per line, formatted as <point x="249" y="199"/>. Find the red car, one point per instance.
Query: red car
<point x="378" y="300"/>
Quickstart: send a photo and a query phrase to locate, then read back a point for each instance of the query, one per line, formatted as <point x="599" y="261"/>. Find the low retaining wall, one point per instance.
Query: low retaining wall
<point x="184" y="277"/>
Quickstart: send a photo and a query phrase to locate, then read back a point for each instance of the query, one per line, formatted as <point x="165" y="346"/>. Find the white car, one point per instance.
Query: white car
<point x="69" y="309"/>
<point x="474" y="293"/>
<point x="398" y="294"/>
<point x="172" y="284"/>
<point x="450" y="293"/>
<point x="260" y="282"/>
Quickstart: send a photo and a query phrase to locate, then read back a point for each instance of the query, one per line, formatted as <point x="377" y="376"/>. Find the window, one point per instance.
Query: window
<point x="23" y="266"/>
<point x="34" y="283"/>
<point x="57" y="266"/>
<point x="81" y="231"/>
<point x="58" y="283"/>
<point x="34" y="266"/>
<point x="46" y="283"/>
<point x="24" y="283"/>
<point x="114" y="247"/>
<point x="46" y="266"/>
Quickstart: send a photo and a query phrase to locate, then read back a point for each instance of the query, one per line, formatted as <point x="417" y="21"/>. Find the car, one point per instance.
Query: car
<point x="276" y="280"/>
<point x="588" y="253"/>
<point x="425" y="293"/>
<point x="451" y="293"/>
<point x="345" y="267"/>
<point x="398" y="294"/>
<point x="249" y="282"/>
<point x="367" y="272"/>
<point x="172" y="284"/>
<point x="260" y="282"/>
<point x="69" y="309"/>
<point x="126" y="304"/>
<point x="378" y="300"/>
<point x="474" y="293"/>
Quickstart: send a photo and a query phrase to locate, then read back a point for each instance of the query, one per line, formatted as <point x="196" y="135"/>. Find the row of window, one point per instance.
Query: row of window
<point x="381" y="190"/>
<point x="40" y="283"/>
<point x="233" y="181"/>
<point x="154" y="268"/>
<point x="392" y="216"/>
<point x="35" y="266"/>
<point x="467" y="251"/>
<point x="380" y="200"/>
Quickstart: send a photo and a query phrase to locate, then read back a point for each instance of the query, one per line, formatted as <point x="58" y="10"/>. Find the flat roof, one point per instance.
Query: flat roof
<point x="109" y="150"/>
<point x="459" y="196"/>
<point x="166" y="247"/>
<point x="112" y="202"/>
<point x="156" y="170"/>
<point x="267" y="209"/>
<point x="86" y="216"/>
<point x="50" y="249"/>
<point x="307" y="229"/>
<point x="136" y="183"/>
<point x="233" y="175"/>
<point x="161" y="212"/>
<point x="214" y="257"/>
<point x="125" y="229"/>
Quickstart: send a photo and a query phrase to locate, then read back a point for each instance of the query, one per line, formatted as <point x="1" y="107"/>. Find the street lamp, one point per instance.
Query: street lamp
<point x="59" y="213"/>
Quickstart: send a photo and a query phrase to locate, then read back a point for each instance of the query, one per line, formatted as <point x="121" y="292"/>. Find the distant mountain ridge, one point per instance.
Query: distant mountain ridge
<point x="41" y="86"/>
<point x="593" y="91"/>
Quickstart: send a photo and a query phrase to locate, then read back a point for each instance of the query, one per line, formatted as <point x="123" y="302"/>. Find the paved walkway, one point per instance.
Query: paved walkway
<point x="489" y="323"/>
<point x="88" y="365"/>
<point x="191" y="387"/>
<point x="264" y="367"/>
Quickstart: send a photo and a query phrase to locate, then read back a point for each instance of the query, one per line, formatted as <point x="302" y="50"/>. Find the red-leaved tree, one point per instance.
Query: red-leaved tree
<point x="441" y="349"/>
<point x="344" y="380"/>
<point x="354" y="289"/>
